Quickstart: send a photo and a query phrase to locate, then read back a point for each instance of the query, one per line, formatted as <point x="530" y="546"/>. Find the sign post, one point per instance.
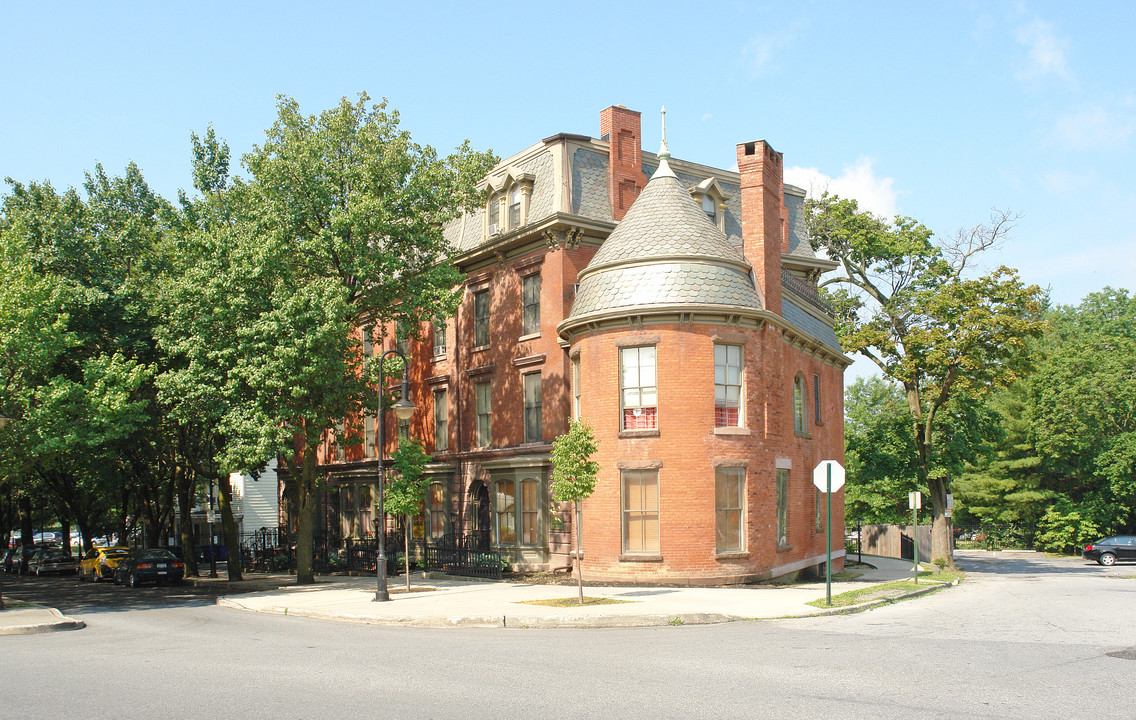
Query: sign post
<point x="915" y="501"/>
<point x="828" y="477"/>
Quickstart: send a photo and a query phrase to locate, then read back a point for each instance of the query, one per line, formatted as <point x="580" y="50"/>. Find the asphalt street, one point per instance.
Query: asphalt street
<point x="1023" y="637"/>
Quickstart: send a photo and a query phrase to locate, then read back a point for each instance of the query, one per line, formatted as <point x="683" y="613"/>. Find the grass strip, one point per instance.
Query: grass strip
<point x="888" y="590"/>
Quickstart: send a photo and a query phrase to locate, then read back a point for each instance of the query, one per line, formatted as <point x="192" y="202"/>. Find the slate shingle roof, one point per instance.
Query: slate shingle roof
<point x="665" y="251"/>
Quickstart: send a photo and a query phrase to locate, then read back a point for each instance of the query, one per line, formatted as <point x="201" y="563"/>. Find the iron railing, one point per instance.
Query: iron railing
<point x="463" y="555"/>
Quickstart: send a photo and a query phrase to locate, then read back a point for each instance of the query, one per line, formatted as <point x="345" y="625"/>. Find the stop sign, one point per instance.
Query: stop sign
<point x="820" y="475"/>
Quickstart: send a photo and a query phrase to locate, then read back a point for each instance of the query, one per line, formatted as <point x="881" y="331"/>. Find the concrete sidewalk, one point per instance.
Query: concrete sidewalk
<point x="459" y="603"/>
<point x="33" y="619"/>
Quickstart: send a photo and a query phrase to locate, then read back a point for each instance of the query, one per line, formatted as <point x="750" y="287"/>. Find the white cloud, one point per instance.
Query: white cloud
<point x="858" y="181"/>
<point x="1095" y="127"/>
<point x="760" y="51"/>
<point x="1045" y="52"/>
<point x="706" y="117"/>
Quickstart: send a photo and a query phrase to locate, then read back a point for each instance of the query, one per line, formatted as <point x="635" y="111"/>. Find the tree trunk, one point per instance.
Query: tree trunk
<point x="229" y="527"/>
<point x="406" y="553"/>
<point x="305" y="532"/>
<point x="185" y="481"/>
<point x="579" y="570"/>
<point x="25" y="508"/>
<point x="65" y="532"/>
<point x="937" y="489"/>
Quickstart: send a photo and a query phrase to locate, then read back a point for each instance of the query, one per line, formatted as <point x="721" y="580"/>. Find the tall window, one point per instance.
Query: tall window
<point x="402" y="337"/>
<point x="816" y="399"/>
<point x="403" y="430"/>
<point x="441" y="421"/>
<point x="782" y="507"/>
<point x="530" y="304"/>
<point x="515" y="207"/>
<point x="640" y="511"/>
<point x="727" y="385"/>
<point x="481" y="318"/>
<point x="355" y="510"/>
<point x="340" y="441"/>
<point x="800" y="421"/>
<point x="818" y="520"/>
<point x="439" y="337"/>
<point x="505" y="511"/>
<point x="640" y="394"/>
<point x="530" y="512"/>
<point x="369" y="436"/>
<point x="525" y="516"/>
<point x="368" y="342"/>
<point x="532" y="408"/>
<point x="730" y="489"/>
<point x="482" y="402"/>
<point x="436" y="510"/>
<point x="576" y="387"/>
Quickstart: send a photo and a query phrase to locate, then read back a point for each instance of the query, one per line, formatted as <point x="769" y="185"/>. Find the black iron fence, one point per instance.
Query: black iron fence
<point x="463" y="555"/>
<point x="274" y="550"/>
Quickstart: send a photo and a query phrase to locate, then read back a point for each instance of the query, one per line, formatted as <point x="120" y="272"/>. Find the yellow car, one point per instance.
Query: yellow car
<point x="100" y="562"/>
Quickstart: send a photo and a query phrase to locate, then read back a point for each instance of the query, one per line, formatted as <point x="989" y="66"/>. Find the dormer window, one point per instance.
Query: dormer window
<point x="494" y="215"/>
<point x="710" y="197"/>
<point x="708" y="207"/>
<point x="515" y="207"/>
<point x="508" y="206"/>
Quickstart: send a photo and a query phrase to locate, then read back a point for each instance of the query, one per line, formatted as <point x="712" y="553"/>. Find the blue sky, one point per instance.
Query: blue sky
<point x="940" y="111"/>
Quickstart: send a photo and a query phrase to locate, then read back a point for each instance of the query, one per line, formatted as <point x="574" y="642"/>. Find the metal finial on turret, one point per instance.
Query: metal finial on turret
<point x="664" y="169"/>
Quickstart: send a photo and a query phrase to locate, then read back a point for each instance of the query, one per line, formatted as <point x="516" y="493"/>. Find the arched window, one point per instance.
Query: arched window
<point x="800" y="409"/>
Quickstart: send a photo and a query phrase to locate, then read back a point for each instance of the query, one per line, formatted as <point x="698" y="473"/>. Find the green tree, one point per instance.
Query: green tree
<point x="1082" y="399"/>
<point x="340" y="228"/>
<point x="406" y="492"/>
<point x="907" y="303"/>
<point x="574" y="477"/>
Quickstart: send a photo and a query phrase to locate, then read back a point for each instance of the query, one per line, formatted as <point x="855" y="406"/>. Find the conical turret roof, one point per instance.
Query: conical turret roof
<point x="665" y="252"/>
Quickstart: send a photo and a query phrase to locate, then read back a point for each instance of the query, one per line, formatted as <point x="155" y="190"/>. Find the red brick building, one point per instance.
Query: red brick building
<point x="678" y="316"/>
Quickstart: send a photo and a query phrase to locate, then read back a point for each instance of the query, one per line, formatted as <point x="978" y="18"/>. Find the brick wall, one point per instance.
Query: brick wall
<point x="687" y="447"/>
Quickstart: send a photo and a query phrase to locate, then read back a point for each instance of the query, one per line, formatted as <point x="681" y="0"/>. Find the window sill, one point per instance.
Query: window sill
<point x="640" y="558"/>
<point x="805" y="435"/>
<point x="732" y="555"/>
<point x="438" y="358"/>
<point x="784" y="548"/>
<point x="530" y="336"/>
<point x="732" y="430"/>
<point x="638" y="433"/>
<point x="479" y="348"/>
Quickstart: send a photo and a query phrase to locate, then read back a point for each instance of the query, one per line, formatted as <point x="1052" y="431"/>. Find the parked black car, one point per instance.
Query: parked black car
<point x="153" y="565"/>
<point x="1109" y="550"/>
<point x="52" y="561"/>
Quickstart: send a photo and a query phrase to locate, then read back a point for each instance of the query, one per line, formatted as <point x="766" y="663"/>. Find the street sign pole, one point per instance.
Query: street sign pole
<point x="828" y="541"/>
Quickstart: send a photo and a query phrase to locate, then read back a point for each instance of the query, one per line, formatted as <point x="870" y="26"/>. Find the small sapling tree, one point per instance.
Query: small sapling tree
<point x="406" y="492"/>
<point x="574" y="477"/>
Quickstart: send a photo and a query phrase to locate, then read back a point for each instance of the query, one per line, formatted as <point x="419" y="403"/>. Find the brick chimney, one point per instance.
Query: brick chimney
<point x="625" y="178"/>
<point x="764" y="217"/>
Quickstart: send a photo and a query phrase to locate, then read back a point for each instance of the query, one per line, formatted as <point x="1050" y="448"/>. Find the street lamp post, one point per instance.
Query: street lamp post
<point x="403" y="409"/>
<point x="4" y="420"/>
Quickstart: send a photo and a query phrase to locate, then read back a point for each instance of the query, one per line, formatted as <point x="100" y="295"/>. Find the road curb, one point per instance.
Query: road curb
<point x="496" y="621"/>
<point x="57" y="621"/>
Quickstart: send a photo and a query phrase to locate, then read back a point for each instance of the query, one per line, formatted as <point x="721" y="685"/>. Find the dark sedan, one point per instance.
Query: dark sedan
<point x="53" y="562"/>
<point x="155" y="565"/>
<point x="1110" y="550"/>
